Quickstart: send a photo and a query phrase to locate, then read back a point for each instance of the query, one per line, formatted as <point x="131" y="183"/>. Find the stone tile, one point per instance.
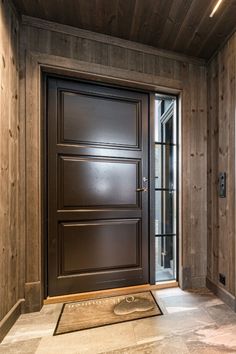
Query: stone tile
<point x="222" y="314"/>
<point x="174" y="324"/>
<point x="178" y="292"/>
<point x="198" y="347"/>
<point x="173" y="300"/>
<point x="193" y="321"/>
<point x="199" y="291"/>
<point x="189" y="302"/>
<point x="169" y="292"/>
<point x="52" y="310"/>
<point x="92" y="341"/>
<point x="34" y="325"/>
<point x="223" y="336"/>
<point x="24" y="347"/>
<point x="172" y="346"/>
<point x="214" y="338"/>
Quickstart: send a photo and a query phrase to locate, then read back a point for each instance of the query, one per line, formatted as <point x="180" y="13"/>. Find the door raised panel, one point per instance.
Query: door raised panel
<point x="98" y="119"/>
<point x="100" y="182"/>
<point x="97" y="158"/>
<point x="98" y="246"/>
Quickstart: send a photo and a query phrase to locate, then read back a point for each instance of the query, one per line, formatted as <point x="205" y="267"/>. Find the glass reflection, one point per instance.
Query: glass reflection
<point x="165" y="187"/>
<point x="165" y="166"/>
<point x="165" y="258"/>
<point x="165" y="212"/>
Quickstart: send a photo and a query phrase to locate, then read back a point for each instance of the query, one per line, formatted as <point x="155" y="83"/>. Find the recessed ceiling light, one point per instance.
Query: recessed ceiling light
<point x="216" y="8"/>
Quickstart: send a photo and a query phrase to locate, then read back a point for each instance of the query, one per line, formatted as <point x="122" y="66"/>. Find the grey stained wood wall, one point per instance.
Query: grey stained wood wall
<point x="11" y="228"/>
<point x="65" y="49"/>
<point x="207" y="146"/>
<point x="221" y="158"/>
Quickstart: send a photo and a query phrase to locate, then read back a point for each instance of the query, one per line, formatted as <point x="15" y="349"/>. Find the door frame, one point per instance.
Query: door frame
<point x="37" y="66"/>
<point x="45" y="74"/>
<point x="178" y="184"/>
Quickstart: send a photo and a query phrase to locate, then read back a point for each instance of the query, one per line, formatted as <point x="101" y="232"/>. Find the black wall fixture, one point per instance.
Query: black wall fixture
<point x="222" y="184"/>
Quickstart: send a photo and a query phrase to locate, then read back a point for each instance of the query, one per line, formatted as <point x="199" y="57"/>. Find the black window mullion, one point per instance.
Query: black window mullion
<point x="165" y="144"/>
<point x="165" y="235"/>
<point x="162" y="224"/>
<point x="166" y="189"/>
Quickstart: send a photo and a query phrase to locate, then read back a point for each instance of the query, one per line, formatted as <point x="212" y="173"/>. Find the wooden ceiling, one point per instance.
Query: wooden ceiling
<point x="183" y="26"/>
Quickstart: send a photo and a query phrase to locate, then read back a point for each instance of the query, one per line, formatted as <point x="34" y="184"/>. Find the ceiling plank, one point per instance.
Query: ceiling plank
<point x="124" y="10"/>
<point x="178" y="12"/>
<point x="201" y="30"/>
<point x="157" y="21"/>
<point x="195" y="13"/>
<point x="177" y="25"/>
<point x="224" y="26"/>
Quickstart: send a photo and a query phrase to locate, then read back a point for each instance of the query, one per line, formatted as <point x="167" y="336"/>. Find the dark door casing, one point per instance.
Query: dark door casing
<point x="97" y="158"/>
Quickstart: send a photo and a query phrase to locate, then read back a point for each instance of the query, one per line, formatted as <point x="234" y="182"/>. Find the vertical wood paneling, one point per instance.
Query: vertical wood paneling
<point x="80" y="48"/>
<point x="33" y="216"/>
<point x="11" y="283"/>
<point x="135" y="61"/>
<point x="13" y="160"/>
<point x="22" y="172"/>
<point x="149" y="64"/>
<point x="4" y="141"/>
<point x="213" y="158"/>
<point x="118" y="57"/>
<point x="200" y="186"/>
<point x="221" y="158"/>
<point x="186" y="185"/>
<point x="99" y="53"/>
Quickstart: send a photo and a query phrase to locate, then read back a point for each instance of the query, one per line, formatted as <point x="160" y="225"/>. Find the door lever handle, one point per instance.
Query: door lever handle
<point x="141" y="190"/>
<point x="145" y="188"/>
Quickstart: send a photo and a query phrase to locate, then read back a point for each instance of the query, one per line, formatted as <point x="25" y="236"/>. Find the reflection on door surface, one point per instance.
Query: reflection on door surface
<point x="97" y="160"/>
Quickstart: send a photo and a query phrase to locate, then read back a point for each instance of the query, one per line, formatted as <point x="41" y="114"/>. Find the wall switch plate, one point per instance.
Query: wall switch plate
<point x="222" y="184"/>
<point x="222" y="278"/>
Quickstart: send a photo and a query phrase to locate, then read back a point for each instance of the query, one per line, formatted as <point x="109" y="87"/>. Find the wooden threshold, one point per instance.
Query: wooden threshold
<point x="108" y="292"/>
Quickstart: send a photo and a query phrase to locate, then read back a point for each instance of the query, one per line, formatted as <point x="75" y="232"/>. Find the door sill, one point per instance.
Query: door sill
<point x="167" y="284"/>
<point x="108" y="292"/>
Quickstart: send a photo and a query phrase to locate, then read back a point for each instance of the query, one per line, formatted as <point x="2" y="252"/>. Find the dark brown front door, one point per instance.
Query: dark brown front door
<point x="97" y="160"/>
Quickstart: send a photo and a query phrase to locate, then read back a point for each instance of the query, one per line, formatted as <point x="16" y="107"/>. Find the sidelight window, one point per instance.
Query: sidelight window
<point x="165" y="188"/>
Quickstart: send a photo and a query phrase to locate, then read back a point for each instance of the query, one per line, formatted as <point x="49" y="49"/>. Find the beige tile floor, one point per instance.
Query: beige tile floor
<point x="193" y="322"/>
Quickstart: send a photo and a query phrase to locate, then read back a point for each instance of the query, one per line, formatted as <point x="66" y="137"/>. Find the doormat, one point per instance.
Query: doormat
<point x="76" y="316"/>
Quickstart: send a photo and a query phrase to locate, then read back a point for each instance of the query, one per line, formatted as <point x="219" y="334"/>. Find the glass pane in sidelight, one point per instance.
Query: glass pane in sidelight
<point x="165" y="258"/>
<point x="165" y="166"/>
<point x="165" y="212"/>
<point x="165" y="121"/>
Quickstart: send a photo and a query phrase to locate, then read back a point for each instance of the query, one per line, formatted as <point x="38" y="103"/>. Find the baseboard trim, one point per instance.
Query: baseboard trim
<point x="33" y="297"/>
<point x="109" y="292"/>
<point x="8" y="321"/>
<point x="223" y="294"/>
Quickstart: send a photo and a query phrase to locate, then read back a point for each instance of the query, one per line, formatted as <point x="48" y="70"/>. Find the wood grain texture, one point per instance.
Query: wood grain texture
<point x="180" y="25"/>
<point x="133" y="66"/>
<point x="103" y="38"/>
<point x="221" y="158"/>
<point x="109" y="292"/>
<point x="11" y="282"/>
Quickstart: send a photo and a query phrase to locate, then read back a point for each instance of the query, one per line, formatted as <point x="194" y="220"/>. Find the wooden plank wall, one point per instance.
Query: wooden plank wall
<point x="19" y="135"/>
<point x="11" y="282"/>
<point x="69" y="48"/>
<point x="221" y="73"/>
